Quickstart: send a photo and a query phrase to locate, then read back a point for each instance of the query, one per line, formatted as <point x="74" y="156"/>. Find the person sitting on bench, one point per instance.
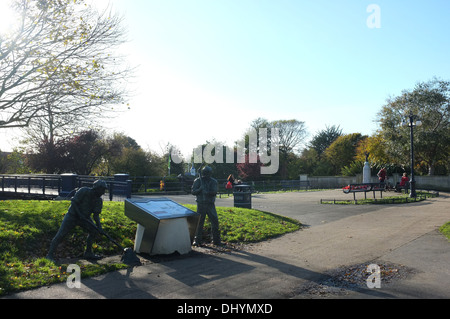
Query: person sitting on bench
<point x="403" y="183"/>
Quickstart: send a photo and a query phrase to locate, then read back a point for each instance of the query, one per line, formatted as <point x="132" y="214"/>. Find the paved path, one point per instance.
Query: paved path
<point x="335" y="236"/>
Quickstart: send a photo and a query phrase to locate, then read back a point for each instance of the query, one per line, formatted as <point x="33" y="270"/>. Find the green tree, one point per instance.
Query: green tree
<point x="308" y="161"/>
<point x="376" y="148"/>
<point x="342" y="151"/>
<point x="15" y="163"/>
<point x="430" y="102"/>
<point x="125" y="155"/>
<point x="322" y="140"/>
<point x="312" y="161"/>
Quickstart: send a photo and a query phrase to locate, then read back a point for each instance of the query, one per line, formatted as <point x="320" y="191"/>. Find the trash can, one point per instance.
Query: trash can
<point x="120" y="188"/>
<point x="68" y="185"/>
<point x="242" y="196"/>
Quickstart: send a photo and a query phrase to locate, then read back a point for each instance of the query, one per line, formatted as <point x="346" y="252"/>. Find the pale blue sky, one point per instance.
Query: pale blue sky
<point x="224" y="63"/>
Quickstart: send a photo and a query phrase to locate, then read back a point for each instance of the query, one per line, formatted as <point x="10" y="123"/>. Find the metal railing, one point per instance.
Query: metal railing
<point x="49" y="185"/>
<point x="53" y="186"/>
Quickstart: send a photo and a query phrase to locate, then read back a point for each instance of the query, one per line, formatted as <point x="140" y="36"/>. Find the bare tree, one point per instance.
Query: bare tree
<point x="60" y="64"/>
<point x="292" y="134"/>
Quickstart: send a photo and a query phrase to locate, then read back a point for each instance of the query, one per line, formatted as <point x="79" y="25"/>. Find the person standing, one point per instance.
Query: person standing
<point x="382" y="173"/>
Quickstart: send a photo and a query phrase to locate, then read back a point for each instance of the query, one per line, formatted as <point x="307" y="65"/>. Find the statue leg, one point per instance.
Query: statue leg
<point x="212" y="215"/>
<point x="199" y="234"/>
<point x="93" y="232"/>
<point x="67" y="225"/>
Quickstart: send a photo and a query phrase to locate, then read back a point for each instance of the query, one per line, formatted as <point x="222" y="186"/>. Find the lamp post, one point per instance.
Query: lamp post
<point x="409" y="121"/>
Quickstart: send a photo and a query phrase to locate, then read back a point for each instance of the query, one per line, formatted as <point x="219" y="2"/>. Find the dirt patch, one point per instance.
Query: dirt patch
<point x="341" y="281"/>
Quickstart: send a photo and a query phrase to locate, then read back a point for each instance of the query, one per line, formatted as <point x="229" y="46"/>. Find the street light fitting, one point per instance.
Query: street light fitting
<point x="409" y="121"/>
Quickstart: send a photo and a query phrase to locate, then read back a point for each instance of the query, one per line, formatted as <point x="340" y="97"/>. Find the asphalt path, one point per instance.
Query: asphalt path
<point x="302" y="206"/>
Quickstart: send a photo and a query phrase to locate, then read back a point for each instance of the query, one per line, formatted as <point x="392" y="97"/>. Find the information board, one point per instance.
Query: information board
<point x="162" y="208"/>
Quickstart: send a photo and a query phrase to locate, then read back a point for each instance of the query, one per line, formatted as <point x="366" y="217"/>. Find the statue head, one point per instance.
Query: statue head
<point x="100" y="187"/>
<point x="206" y="171"/>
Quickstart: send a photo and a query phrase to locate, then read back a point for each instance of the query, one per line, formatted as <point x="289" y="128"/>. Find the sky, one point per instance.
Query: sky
<point x="207" y="69"/>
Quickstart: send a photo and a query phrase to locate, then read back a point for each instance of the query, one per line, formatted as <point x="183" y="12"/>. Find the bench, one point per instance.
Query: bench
<point x="366" y="187"/>
<point x="399" y="188"/>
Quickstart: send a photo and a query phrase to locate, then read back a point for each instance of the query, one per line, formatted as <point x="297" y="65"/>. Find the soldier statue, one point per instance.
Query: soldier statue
<point x="85" y="202"/>
<point x="205" y="188"/>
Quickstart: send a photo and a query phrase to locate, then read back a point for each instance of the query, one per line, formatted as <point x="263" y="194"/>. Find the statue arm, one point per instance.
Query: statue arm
<point x="213" y="188"/>
<point x="96" y="212"/>
<point x="97" y="220"/>
<point x="197" y="187"/>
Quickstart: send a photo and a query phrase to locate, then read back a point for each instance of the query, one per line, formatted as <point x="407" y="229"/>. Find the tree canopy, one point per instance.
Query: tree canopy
<point x="429" y="102"/>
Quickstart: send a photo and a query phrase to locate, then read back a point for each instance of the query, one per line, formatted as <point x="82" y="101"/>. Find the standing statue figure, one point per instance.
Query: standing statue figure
<point x="85" y="202"/>
<point x="366" y="170"/>
<point x="205" y="188"/>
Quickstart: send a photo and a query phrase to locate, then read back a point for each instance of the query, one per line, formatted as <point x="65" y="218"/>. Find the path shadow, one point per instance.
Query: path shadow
<point x="211" y="264"/>
<point x="124" y="287"/>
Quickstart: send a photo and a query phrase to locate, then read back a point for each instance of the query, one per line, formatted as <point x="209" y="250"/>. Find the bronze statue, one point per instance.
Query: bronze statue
<point x="85" y="202"/>
<point x="205" y="188"/>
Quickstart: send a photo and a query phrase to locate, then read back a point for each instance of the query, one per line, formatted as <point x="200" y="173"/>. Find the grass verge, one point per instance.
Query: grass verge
<point x="27" y="228"/>
<point x="445" y="230"/>
<point x="240" y="225"/>
<point x="389" y="199"/>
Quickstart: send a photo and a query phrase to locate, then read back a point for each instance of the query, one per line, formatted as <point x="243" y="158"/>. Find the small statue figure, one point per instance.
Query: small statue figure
<point x="85" y="202"/>
<point x="205" y="188"/>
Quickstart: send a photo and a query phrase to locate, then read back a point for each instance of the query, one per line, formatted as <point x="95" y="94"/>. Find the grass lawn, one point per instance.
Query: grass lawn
<point x="388" y="198"/>
<point x="27" y="228"/>
<point x="240" y="225"/>
<point x="445" y="229"/>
